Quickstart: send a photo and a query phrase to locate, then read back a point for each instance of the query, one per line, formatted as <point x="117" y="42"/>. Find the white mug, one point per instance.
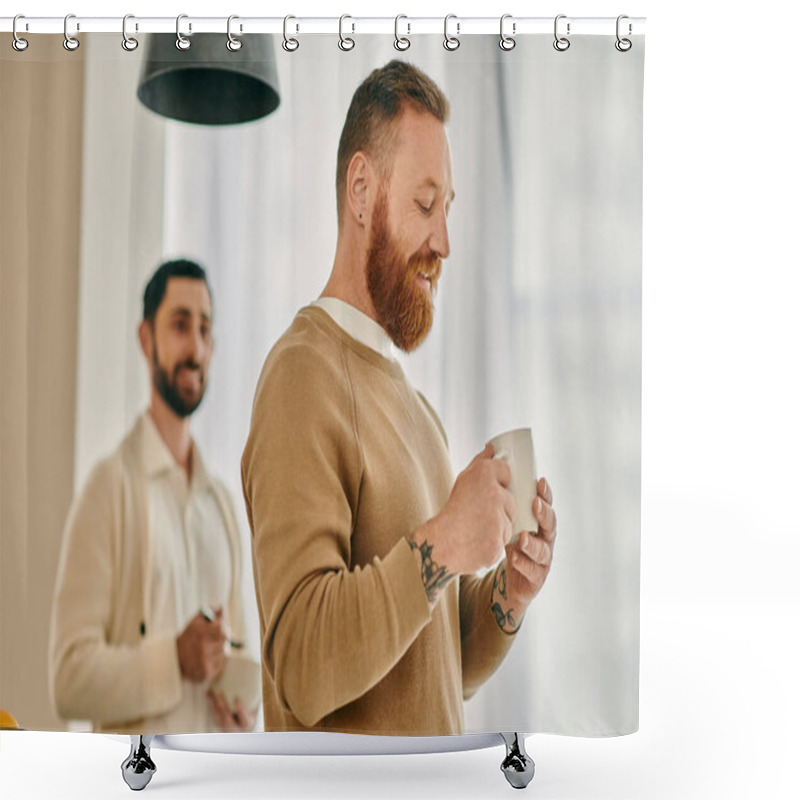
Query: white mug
<point x="516" y="449"/>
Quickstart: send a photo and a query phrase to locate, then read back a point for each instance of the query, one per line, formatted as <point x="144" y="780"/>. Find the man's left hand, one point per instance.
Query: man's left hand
<point x="521" y="576"/>
<point x="240" y="720"/>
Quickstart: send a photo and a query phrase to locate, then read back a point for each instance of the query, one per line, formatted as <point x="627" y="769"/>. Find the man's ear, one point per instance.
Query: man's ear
<point x="146" y="338"/>
<point x="360" y="188"/>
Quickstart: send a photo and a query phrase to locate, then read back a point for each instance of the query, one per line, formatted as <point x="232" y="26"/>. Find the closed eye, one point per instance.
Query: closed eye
<point x="425" y="209"/>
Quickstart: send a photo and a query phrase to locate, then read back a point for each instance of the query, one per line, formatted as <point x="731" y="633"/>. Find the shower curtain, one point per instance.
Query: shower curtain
<point x="536" y="323"/>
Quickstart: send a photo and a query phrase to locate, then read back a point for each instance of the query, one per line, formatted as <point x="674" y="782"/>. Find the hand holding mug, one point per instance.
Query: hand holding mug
<point x="471" y="530"/>
<point x="231" y="720"/>
<point x="528" y="559"/>
<point x="529" y="554"/>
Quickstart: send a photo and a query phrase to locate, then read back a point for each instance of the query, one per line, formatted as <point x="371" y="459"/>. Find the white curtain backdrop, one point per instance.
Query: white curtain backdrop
<point x="538" y="316"/>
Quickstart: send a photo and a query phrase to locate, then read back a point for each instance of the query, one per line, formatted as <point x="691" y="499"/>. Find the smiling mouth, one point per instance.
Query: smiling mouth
<point x="191" y="374"/>
<point x="425" y="280"/>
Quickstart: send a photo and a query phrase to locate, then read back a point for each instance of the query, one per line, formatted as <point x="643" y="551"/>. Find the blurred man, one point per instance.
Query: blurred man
<point x="364" y="545"/>
<point x="150" y="542"/>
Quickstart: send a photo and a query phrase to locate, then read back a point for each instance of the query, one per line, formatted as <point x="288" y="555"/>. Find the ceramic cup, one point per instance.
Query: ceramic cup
<point x="241" y="678"/>
<point x="516" y="449"/>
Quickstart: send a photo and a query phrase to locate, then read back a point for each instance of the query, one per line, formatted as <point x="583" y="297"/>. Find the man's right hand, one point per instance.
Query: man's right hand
<point x="473" y="528"/>
<point x="201" y="648"/>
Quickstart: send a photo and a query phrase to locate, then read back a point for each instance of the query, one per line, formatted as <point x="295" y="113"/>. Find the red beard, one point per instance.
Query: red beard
<point x="403" y="306"/>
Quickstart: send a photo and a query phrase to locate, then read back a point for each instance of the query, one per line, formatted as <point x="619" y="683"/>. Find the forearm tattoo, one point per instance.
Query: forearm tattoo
<point x="434" y="576"/>
<point x="505" y="619"/>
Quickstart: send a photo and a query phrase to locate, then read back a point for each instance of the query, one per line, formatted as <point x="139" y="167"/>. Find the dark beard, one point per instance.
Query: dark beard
<point x="404" y="310"/>
<point x="168" y="389"/>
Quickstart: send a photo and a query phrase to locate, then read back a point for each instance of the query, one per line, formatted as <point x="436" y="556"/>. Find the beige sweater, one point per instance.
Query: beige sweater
<point x="105" y="665"/>
<point x="345" y="461"/>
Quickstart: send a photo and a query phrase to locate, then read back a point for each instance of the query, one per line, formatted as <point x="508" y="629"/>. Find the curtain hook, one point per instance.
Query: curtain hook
<point x="70" y="42"/>
<point x="507" y="42"/>
<point x="401" y="42"/>
<point x="18" y="43"/>
<point x="451" y="42"/>
<point x="561" y="43"/>
<point x="623" y="45"/>
<point x="346" y="43"/>
<point x="181" y="42"/>
<point x="129" y="43"/>
<point x="289" y="44"/>
<point x="233" y="44"/>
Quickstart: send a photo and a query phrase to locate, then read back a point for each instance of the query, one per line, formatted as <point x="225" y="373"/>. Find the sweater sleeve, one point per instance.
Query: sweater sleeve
<point x="483" y="644"/>
<point x="330" y="632"/>
<point x="89" y="677"/>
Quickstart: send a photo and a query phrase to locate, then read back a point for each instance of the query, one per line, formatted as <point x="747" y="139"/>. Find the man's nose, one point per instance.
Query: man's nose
<point x="440" y="241"/>
<point x="197" y="346"/>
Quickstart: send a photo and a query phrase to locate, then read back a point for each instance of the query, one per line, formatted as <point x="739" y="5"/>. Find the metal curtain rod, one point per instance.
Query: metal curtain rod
<point x="461" y="26"/>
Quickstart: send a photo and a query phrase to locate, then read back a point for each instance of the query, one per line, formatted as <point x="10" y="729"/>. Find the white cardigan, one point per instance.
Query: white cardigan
<point x="103" y="664"/>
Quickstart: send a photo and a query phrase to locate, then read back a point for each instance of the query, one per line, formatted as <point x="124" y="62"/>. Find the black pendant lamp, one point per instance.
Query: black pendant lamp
<point x="208" y="84"/>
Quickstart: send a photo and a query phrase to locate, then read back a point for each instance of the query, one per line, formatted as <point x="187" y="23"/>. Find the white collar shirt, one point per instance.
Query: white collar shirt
<point x="191" y="564"/>
<point x="357" y="324"/>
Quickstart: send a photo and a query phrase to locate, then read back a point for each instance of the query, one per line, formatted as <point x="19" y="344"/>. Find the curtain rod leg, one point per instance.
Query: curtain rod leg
<point x="138" y="768"/>
<point x="517" y="766"/>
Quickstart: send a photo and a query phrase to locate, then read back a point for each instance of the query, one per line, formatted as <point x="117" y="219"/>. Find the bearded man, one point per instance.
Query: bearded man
<point x="150" y="543"/>
<point x="365" y="548"/>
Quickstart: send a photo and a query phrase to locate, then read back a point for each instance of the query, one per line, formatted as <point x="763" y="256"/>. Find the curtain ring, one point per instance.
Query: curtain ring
<point x="233" y="44"/>
<point x="181" y="42"/>
<point x="401" y="42"/>
<point x="623" y="45"/>
<point x="451" y="42"/>
<point x="346" y="43"/>
<point x="289" y="44"/>
<point x="561" y="43"/>
<point x="507" y="42"/>
<point x="70" y="42"/>
<point x="18" y="43"/>
<point x="128" y="42"/>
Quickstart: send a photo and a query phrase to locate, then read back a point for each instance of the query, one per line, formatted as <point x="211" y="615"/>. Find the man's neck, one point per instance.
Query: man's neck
<point x="347" y="280"/>
<point x="174" y="432"/>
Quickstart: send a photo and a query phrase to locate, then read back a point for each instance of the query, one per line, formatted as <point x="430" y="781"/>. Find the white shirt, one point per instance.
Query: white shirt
<point x="191" y="564"/>
<point x="357" y="324"/>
